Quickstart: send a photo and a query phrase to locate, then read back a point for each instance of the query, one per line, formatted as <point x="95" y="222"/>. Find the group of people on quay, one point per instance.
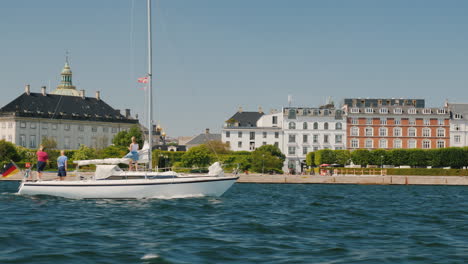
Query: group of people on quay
<point x="62" y="161"/>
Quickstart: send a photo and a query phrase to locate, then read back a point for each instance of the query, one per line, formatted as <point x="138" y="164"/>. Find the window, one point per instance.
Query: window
<point x="397" y="143"/>
<point x="325" y="126"/>
<point x="325" y="139"/>
<point x="354" y="110"/>
<point x="426" y="144"/>
<point x="292" y="125"/>
<point x="239" y="144"/>
<point x="93" y="129"/>
<point x="54" y="126"/>
<point x="276" y="134"/>
<point x="228" y="134"/>
<point x="427" y="111"/>
<point x="264" y="134"/>
<point x="457" y="138"/>
<point x="354" y="143"/>
<point x="369" y="110"/>
<point x="411" y="143"/>
<point x="291" y="150"/>
<point x="326" y="112"/>
<point x="114" y="130"/>
<point x="252" y="135"/>
<point x="440" y="144"/>
<point x="354" y="121"/>
<point x="441" y="111"/>
<point x="397" y="132"/>
<point x="427" y="122"/>
<point x="316" y="148"/>
<point x="457" y="116"/>
<point x="315" y="138"/>
<point x="397" y="121"/>
<point x="441" y="132"/>
<point x="369" y="132"/>
<point x="252" y="146"/>
<point x="22" y="140"/>
<point x="411" y="132"/>
<point x="383" y="131"/>
<point x="276" y="144"/>
<point x="239" y="134"/>
<point x="81" y="128"/>
<point x="426" y="132"/>
<point x="304" y="125"/>
<point x="338" y="138"/>
<point x="383" y="143"/>
<point x="45" y="126"/>
<point x="263" y="143"/>
<point x="338" y="126"/>
<point x="383" y="121"/>
<point x="441" y="122"/>
<point x="292" y="138"/>
<point x="368" y="121"/>
<point x="383" y="110"/>
<point x="412" y="111"/>
<point x="66" y="143"/>
<point x="32" y="125"/>
<point x="304" y="150"/>
<point x="66" y="127"/>
<point x="292" y="114"/>
<point x="354" y="131"/>
<point x="32" y="141"/>
<point x="304" y="138"/>
<point x="398" y="111"/>
<point x="411" y="121"/>
<point x="22" y="124"/>
<point x="369" y="143"/>
<point x="315" y="125"/>
<point x="274" y="120"/>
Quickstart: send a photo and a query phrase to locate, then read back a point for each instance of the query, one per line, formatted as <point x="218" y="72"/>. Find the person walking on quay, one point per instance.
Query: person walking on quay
<point x="62" y="165"/>
<point x="42" y="159"/>
<point x="133" y="155"/>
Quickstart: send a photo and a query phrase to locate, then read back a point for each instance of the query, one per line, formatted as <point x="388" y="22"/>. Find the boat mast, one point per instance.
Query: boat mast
<point x="150" y="90"/>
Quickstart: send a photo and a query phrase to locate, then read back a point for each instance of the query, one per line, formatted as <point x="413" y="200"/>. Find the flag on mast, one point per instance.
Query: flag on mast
<point x="143" y="80"/>
<point x="9" y="170"/>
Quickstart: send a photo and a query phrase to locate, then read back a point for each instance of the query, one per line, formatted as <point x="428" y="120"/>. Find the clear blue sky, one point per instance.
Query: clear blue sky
<point x="211" y="56"/>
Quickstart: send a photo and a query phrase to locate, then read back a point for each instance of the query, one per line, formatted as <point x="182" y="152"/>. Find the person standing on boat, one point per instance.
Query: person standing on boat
<point x="42" y="159"/>
<point x="133" y="155"/>
<point x="62" y="165"/>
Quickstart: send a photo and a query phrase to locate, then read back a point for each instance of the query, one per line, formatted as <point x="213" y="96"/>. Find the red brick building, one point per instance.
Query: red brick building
<point x="395" y="123"/>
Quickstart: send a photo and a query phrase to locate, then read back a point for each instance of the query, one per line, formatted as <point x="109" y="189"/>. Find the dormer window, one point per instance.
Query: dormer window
<point x="398" y="111"/>
<point x="427" y="111"/>
<point x="441" y="111"/>
<point x="369" y="110"/>
<point x="457" y="116"/>
<point x="383" y="110"/>
<point x="354" y="110"/>
<point x="412" y="111"/>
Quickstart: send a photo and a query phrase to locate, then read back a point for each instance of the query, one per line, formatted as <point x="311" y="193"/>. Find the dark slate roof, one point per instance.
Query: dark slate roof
<point x="374" y="102"/>
<point x="246" y="119"/>
<point x="203" y="138"/>
<point x="63" y="107"/>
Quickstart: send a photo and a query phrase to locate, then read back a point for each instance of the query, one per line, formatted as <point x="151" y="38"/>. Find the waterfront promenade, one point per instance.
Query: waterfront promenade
<point x="317" y="179"/>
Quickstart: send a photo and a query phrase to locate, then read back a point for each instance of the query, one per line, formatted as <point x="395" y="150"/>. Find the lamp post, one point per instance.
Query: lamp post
<point x="381" y="161"/>
<point x="263" y="163"/>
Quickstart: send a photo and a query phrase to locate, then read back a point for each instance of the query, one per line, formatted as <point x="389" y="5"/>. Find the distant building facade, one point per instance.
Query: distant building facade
<point x="202" y="139"/>
<point x="66" y="115"/>
<point x="458" y="124"/>
<point x="395" y="123"/>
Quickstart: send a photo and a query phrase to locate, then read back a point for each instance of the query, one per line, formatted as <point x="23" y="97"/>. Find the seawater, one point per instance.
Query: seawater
<point x="251" y="223"/>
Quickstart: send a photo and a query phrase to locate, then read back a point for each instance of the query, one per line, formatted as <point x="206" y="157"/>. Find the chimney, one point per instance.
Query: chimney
<point x="240" y="109"/>
<point x="207" y="131"/>
<point x="27" y="89"/>
<point x="127" y="113"/>
<point x="82" y="94"/>
<point x="98" y="95"/>
<point x="43" y="90"/>
<point x="260" y="110"/>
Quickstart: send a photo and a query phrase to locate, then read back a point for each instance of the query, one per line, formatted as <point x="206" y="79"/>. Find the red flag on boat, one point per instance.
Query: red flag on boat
<point x="9" y="170"/>
<point x="143" y="80"/>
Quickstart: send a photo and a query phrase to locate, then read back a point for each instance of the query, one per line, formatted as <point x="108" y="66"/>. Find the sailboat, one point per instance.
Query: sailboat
<point x="110" y="181"/>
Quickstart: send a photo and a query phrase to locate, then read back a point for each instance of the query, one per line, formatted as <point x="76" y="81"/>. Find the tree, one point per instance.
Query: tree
<point x="124" y="138"/>
<point x="310" y="159"/>
<point x="217" y="147"/>
<point x="49" y="143"/>
<point x="8" y="152"/>
<point x="273" y="150"/>
<point x="84" y="153"/>
<point x="398" y="157"/>
<point x="267" y="158"/>
<point x="417" y="157"/>
<point x="360" y="157"/>
<point x="112" y="152"/>
<point x="325" y="156"/>
<point x="342" y="156"/>
<point x="378" y="157"/>
<point x="199" y="156"/>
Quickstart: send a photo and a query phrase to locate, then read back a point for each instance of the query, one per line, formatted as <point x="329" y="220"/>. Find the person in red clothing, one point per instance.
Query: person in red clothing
<point x="42" y="159"/>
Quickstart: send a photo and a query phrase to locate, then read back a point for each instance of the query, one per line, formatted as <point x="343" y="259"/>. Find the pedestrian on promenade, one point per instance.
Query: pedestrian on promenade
<point x="42" y="159"/>
<point x="62" y="165"/>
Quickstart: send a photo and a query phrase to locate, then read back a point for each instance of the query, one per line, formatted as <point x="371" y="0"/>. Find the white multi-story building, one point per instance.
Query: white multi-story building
<point x="310" y="129"/>
<point x="458" y="124"/>
<point x="250" y="130"/>
<point x="65" y="115"/>
<point x="295" y="131"/>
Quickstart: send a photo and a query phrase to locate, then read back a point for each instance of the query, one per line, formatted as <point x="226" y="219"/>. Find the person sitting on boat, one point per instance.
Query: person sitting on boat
<point x="133" y="155"/>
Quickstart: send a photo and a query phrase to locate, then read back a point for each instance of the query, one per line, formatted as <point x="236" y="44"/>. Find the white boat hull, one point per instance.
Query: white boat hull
<point x="131" y="189"/>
